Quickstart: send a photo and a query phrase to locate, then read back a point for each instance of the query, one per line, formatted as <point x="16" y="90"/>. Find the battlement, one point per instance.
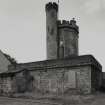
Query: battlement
<point x="68" y="24"/>
<point x="51" y="5"/>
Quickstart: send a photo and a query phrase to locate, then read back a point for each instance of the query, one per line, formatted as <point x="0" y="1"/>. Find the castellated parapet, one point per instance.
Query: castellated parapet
<point x="68" y="24"/>
<point x="51" y="5"/>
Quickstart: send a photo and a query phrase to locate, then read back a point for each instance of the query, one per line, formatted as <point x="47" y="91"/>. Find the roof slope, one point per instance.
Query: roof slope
<point x="4" y="62"/>
<point x="57" y="63"/>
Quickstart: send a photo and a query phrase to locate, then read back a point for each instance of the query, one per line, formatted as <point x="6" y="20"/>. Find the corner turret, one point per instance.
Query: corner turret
<point x="68" y="24"/>
<point x="68" y="34"/>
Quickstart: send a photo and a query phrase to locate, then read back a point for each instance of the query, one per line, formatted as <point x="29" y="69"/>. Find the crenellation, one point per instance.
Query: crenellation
<point x="64" y="22"/>
<point x="51" y="5"/>
<point x="68" y="24"/>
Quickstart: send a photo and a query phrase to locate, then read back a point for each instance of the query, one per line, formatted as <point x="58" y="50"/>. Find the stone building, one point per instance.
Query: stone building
<point x="62" y="36"/>
<point x="64" y="71"/>
<point x="4" y="62"/>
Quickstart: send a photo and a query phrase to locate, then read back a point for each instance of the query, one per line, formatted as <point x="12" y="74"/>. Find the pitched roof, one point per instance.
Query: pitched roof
<point x="58" y="63"/>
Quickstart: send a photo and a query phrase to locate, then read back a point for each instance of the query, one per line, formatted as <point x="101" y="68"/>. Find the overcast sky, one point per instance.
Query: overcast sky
<point x="23" y="28"/>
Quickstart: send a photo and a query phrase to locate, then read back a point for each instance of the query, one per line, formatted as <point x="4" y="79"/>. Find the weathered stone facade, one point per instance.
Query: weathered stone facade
<point x="62" y="36"/>
<point x="55" y="76"/>
<point x="51" y="30"/>
<point x="65" y="72"/>
<point x="103" y="81"/>
<point x="68" y="38"/>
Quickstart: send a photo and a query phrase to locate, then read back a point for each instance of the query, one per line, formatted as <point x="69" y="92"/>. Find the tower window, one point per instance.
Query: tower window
<point x="61" y="43"/>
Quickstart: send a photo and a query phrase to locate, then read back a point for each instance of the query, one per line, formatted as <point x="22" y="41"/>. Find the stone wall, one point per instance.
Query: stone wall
<point x="57" y="80"/>
<point x="5" y="85"/>
<point x="103" y="81"/>
<point x="22" y="82"/>
<point x="49" y="81"/>
<point x="96" y="78"/>
<point x="56" y="76"/>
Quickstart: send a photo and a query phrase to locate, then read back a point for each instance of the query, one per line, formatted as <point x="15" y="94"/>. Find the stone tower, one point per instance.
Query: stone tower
<point x="68" y="38"/>
<point x="51" y="30"/>
<point x="62" y="36"/>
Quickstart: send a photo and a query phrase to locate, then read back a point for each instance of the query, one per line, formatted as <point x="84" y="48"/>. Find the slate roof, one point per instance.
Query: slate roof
<point x="57" y="63"/>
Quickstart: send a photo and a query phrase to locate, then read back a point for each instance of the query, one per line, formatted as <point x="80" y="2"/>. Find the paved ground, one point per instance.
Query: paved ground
<point x="98" y="99"/>
<point x="18" y="101"/>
